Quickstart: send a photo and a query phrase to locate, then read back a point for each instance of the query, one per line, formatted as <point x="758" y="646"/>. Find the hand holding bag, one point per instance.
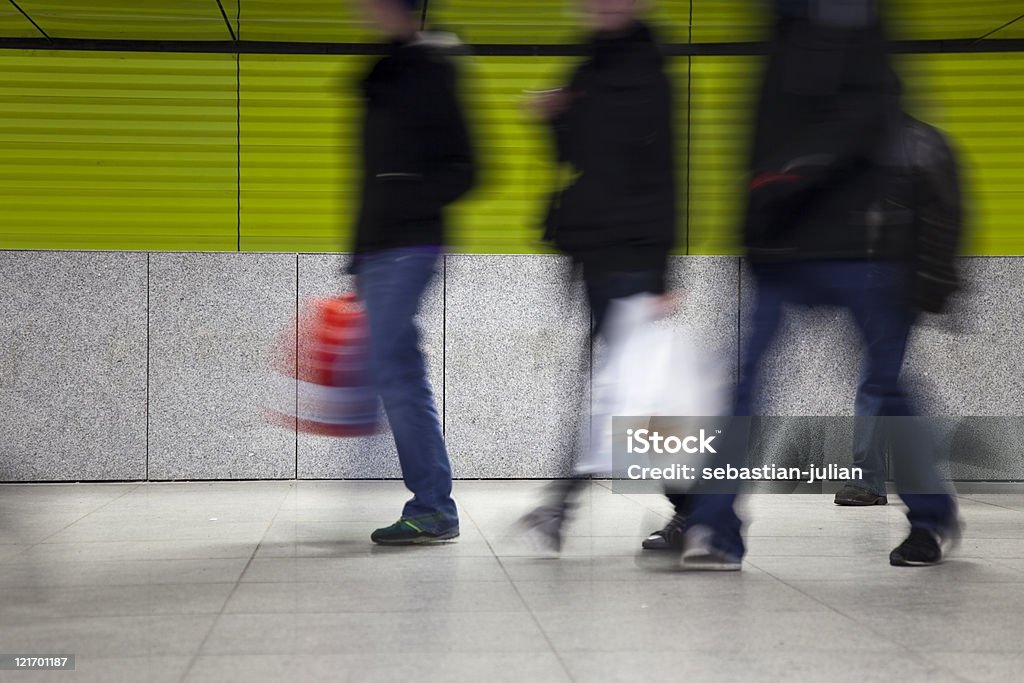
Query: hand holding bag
<point x="648" y="367"/>
<point x="322" y="383"/>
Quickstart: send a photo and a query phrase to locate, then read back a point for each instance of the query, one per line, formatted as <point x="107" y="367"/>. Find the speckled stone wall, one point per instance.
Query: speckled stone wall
<point x="72" y="366"/>
<point x="516" y="361"/>
<point x="967" y="365"/>
<point x="134" y="366"/>
<point x="213" y="319"/>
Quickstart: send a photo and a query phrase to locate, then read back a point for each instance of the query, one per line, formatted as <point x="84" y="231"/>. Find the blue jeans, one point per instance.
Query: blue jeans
<point x="868" y="444"/>
<point x="876" y="295"/>
<point x="391" y="284"/>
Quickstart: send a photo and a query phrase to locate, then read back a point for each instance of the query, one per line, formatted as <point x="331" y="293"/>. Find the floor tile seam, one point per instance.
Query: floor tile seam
<point x="220" y="614"/>
<point x="533" y="616"/>
<point x="866" y="623"/>
<point x="64" y="528"/>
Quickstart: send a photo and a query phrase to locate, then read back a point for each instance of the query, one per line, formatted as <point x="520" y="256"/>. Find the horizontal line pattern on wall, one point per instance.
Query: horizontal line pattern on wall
<point x="180" y="19"/>
<point x="723" y="95"/>
<point x="13" y="23"/>
<point x="138" y="151"/>
<point x="541" y="21"/>
<point x="305" y="20"/>
<point x="480" y="21"/>
<point x="503" y="213"/>
<point x="542" y="50"/>
<point x="299" y="151"/>
<point x="103" y="151"/>
<point x="741" y="20"/>
<point x="979" y="103"/>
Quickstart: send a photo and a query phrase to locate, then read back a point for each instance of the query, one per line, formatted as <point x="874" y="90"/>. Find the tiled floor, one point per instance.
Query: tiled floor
<point x="276" y="581"/>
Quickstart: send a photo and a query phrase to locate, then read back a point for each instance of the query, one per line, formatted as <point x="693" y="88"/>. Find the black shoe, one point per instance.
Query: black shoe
<point x="921" y="548"/>
<point x="413" y="531"/>
<point x="544" y="526"/>
<point x="851" y="495"/>
<point x="669" y="538"/>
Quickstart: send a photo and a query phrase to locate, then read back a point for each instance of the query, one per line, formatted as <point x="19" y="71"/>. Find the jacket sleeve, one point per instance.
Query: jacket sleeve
<point x="451" y="170"/>
<point x="559" y="126"/>
<point x="654" y="147"/>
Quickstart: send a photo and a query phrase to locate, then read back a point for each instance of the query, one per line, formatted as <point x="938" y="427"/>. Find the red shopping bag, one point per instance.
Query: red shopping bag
<point x="323" y="362"/>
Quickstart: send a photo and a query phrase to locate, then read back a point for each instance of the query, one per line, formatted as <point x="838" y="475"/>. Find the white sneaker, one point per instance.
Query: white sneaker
<point x="700" y="555"/>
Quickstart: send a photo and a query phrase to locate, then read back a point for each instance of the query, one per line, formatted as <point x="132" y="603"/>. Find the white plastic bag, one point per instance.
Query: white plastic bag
<point x="648" y="366"/>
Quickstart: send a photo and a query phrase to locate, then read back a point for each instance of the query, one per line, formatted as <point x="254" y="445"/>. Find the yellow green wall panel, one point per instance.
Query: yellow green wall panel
<point x="539" y="21"/>
<point x="129" y="19"/>
<point x="496" y="21"/>
<point x="979" y="101"/>
<point x="13" y="23"/>
<point x="299" y="133"/>
<point x="718" y="21"/>
<point x="728" y="21"/>
<point x="310" y="21"/>
<point x="1014" y="30"/>
<point x="721" y="106"/>
<point x="138" y="150"/>
<point x="299" y="152"/>
<point x="528" y="21"/>
<point x="117" y="151"/>
<point x="948" y="19"/>
<point x="503" y="214"/>
<point x="299" y="123"/>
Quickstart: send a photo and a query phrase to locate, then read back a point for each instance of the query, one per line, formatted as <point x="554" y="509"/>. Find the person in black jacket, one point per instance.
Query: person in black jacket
<point x="830" y="223"/>
<point x="612" y="125"/>
<point x="416" y="160"/>
<point x="921" y="212"/>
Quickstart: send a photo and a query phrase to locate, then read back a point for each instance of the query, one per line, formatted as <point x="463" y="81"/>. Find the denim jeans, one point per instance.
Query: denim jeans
<point x="875" y="294"/>
<point x="391" y="284"/>
<point x="868" y="445"/>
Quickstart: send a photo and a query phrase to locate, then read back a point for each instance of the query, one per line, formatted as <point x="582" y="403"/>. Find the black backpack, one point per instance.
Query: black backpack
<point x="937" y="206"/>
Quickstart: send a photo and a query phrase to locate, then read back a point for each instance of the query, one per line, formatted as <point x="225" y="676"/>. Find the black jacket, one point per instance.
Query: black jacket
<point x="938" y="213"/>
<point x="825" y="117"/>
<point x="619" y="213"/>
<point x="838" y="171"/>
<point x="416" y="157"/>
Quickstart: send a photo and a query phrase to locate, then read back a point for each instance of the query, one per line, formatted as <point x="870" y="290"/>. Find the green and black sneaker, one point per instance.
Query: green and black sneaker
<point x="414" y="531"/>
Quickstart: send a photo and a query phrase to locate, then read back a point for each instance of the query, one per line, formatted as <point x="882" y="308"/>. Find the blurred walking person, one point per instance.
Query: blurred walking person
<point x="617" y="220"/>
<point x="416" y="159"/>
<point x="926" y="177"/>
<point x="834" y="219"/>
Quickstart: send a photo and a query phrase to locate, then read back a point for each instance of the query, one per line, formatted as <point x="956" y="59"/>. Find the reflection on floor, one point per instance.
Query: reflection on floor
<point x="274" y="581"/>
